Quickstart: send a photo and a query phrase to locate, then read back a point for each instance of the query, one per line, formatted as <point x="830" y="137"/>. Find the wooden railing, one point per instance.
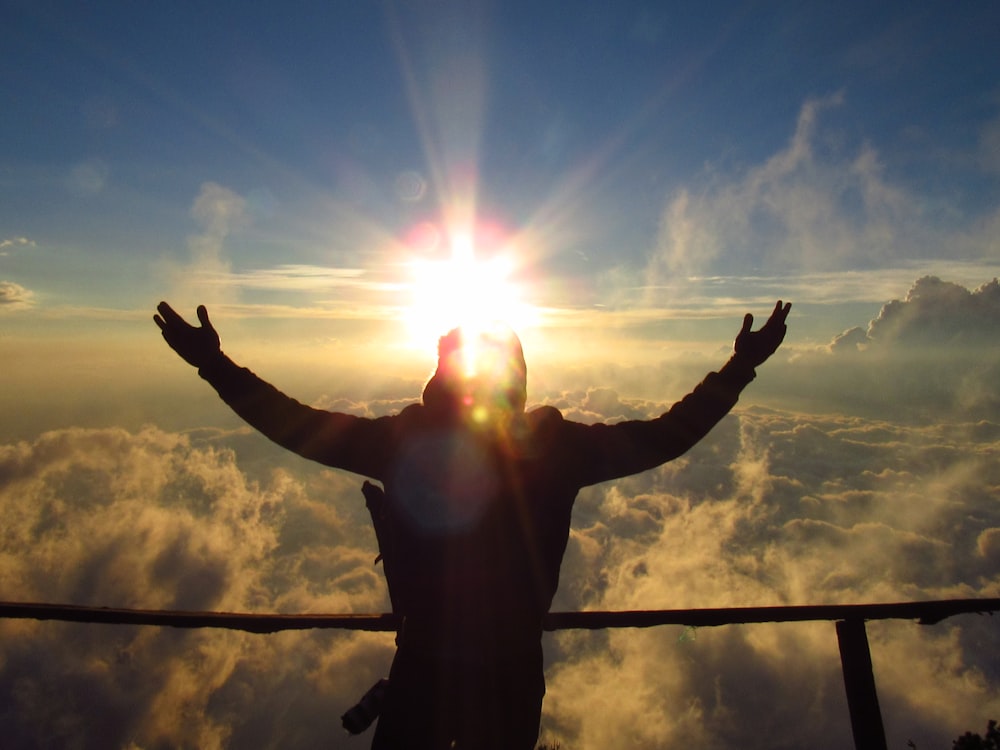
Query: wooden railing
<point x="855" y="656"/>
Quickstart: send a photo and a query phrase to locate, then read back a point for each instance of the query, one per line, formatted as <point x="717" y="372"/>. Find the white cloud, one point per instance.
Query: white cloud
<point x="219" y="212"/>
<point x="13" y="242"/>
<point x="298" y="277"/>
<point x="88" y="177"/>
<point x="820" y="204"/>
<point x="932" y="353"/>
<point x="936" y="313"/>
<point x="14" y="296"/>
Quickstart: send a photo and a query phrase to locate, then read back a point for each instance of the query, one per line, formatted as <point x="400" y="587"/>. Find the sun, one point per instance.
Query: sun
<point x="467" y="285"/>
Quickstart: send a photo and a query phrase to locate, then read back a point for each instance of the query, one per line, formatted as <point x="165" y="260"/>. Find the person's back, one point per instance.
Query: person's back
<point x="462" y="530"/>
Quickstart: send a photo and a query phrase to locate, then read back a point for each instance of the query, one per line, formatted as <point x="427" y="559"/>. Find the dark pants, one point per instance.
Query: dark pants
<point x="439" y="700"/>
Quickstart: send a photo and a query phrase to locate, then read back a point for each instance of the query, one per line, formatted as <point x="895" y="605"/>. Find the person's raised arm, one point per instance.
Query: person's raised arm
<point x="610" y="451"/>
<point x="341" y="440"/>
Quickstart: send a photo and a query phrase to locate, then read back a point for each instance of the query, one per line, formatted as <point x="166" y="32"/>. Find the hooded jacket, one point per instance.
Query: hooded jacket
<point x="476" y="520"/>
<point x="488" y="517"/>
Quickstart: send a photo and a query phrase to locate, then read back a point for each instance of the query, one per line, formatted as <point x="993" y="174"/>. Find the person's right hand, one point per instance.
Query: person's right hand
<point x="754" y="347"/>
<point x="197" y="345"/>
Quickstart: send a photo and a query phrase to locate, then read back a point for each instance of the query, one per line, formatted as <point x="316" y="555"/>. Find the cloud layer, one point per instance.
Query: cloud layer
<point x="784" y="509"/>
<point x="775" y="507"/>
<point x="150" y="520"/>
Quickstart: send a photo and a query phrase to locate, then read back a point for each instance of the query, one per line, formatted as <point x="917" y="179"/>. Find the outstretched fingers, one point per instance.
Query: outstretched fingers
<point x="202" y="312"/>
<point x="167" y="317"/>
<point x="780" y="313"/>
<point x="756" y="346"/>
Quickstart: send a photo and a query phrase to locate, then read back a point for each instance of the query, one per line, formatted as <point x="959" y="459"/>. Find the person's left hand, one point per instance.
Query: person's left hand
<point x="754" y="347"/>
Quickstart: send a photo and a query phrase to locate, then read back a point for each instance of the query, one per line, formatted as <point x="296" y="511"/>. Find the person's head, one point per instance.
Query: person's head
<point x="480" y="373"/>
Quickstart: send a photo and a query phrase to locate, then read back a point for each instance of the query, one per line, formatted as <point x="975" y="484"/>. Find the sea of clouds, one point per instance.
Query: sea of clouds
<point x="887" y="490"/>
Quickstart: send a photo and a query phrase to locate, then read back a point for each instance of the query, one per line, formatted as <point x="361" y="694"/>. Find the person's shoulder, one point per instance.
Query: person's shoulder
<point x="544" y="417"/>
<point x="544" y="412"/>
<point x="409" y="414"/>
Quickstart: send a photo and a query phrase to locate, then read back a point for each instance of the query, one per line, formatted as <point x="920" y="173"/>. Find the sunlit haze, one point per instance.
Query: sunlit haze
<point x="342" y="183"/>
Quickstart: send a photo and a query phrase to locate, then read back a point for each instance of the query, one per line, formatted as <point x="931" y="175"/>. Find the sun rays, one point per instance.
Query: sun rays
<point x="472" y="281"/>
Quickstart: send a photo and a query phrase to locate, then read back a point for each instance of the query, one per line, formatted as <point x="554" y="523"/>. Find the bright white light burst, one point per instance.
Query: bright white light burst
<point x="464" y="290"/>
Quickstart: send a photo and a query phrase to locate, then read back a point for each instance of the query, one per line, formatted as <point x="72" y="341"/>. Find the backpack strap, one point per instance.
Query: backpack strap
<point x="377" y="506"/>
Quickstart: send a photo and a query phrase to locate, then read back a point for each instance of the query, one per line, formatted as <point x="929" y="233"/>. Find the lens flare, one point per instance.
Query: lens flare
<point x="472" y="288"/>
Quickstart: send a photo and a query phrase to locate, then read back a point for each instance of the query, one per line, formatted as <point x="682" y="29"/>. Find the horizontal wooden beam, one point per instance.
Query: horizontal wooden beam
<point x="928" y="612"/>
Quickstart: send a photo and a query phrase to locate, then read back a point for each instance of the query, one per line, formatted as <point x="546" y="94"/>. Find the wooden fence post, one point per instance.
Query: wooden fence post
<point x="859" y="682"/>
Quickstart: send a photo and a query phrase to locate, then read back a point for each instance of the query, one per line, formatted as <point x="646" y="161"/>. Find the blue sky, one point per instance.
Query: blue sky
<point x="579" y="129"/>
<point x="624" y="180"/>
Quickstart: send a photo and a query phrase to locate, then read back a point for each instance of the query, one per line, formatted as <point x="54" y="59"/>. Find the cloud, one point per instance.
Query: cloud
<point x="934" y="352"/>
<point x="851" y="340"/>
<point x="936" y="313"/>
<point x="14" y="242"/>
<point x="320" y="292"/>
<point x="222" y="214"/>
<point x="989" y="146"/>
<point x="14" y="296"/>
<point x="219" y="212"/>
<point x="820" y="204"/>
<point x="298" y="277"/>
<point x="88" y="177"/>
<point x="786" y="509"/>
<point x="774" y="507"/>
<point x="149" y="519"/>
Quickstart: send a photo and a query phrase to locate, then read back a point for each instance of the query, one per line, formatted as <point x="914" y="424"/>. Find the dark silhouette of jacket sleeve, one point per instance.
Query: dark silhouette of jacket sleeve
<point x="599" y="452"/>
<point x="343" y="441"/>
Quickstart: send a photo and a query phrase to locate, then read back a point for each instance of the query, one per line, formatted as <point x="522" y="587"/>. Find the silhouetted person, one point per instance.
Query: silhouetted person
<point x="475" y="516"/>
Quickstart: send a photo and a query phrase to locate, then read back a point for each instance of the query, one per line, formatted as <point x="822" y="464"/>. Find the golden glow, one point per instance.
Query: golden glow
<point x="464" y="289"/>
